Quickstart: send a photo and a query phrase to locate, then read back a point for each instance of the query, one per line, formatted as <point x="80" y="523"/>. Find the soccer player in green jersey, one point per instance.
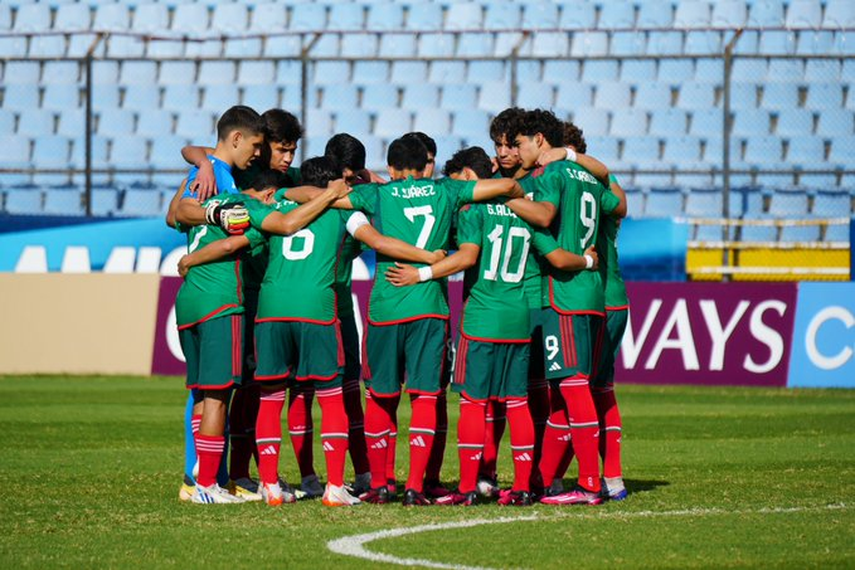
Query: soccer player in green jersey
<point x="298" y="335"/>
<point x="412" y="321"/>
<point x="572" y="202"/>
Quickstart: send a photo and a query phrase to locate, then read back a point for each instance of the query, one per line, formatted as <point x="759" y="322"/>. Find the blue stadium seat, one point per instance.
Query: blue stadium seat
<point x="250" y="47"/>
<point x="729" y="14"/>
<point x="682" y="151"/>
<point x="758" y="233"/>
<point x="750" y="122"/>
<point x="5" y="17"/>
<point x="61" y="72"/>
<point x="595" y="122"/>
<point x="742" y="96"/>
<point x="822" y="71"/>
<point x="665" y="43"/>
<point x="535" y="96"/>
<point x="340" y="97"/>
<point x="346" y="17"/>
<point x="72" y="18"/>
<point x="319" y="122"/>
<point x="425" y="17"/>
<point x="641" y="152"/>
<point x="461" y="16"/>
<point x="398" y="45"/>
<point x="832" y="204"/>
<point x="800" y="233"/>
<point x="404" y="72"/>
<point x="153" y="123"/>
<point x="181" y="97"/>
<point x="126" y="46"/>
<point x="33" y="18"/>
<point x="763" y="150"/>
<point x="560" y="71"/>
<point x="652" y="96"/>
<point x="129" y="151"/>
<point x="822" y="96"/>
<point x="612" y="95"/>
<point x="36" y="122"/>
<point x="216" y="73"/>
<point x="459" y="97"/>
<point x="268" y="16"/>
<point x="432" y="120"/>
<point x="629" y="122"/>
<point x="7" y="121"/>
<point x="668" y="122"/>
<point x="748" y="44"/>
<point x="502" y="16"/>
<point x="785" y="70"/>
<point x="151" y="18"/>
<point x="507" y="42"/>
<point x="628" y="43"/>
<point x="696" y="96"/>
<point x="220" y="97"/>
<point x="292" y="98"/>
<point x="795" y="123"/>
<point x="766" y="14"/>
<point x="494" y="97"/>
<point x="363" y="46"/>
<point x="573" y="96"/>
<point x="137" y="97"/>
<point x="815" y="42"/>
<point x="788" y="202"/>
<point x="166" y="151"/>
<point x="261" y="97"/>
<point x="444" y="72"/>
<point x="837" y="232"/>
<point x="177" y="73"/>
<point x="58" y="97"/>
<point x="159" y="48"/>
<point x="676" y="70"/>
<point x="775" y="42"/>
<point x="255" y="72"/>
<point x="747" y="71"/>
<point x="839" y="14"/>
<point x="190" y="19"/>
<point x="616" y="15"/>
<point x="820" y="181"/>
<point x="330" y="72"/>
<point x="353" y="120"/>
<point x="371" y="71"/>
<point x="195" y="124"/>
<point x="780" y="96"/>
<point x="112" y="17"/>
<point x="711" y="70"/>
<point x="664" y="203"/>
<point x="595" y="71"/>
<point x="100" y="146"/>
<point x="471" y="123"/>
<point x="139" y="73"/>
<point x="634" y="202"/>
<point x="578" y="16"/>
<point x="638" y="71"/>
<point x="141" y="201"/>
<point x="539" y="15"/>
<point x="604" y="148"/>
<point x="283" y="46"/>
<point x="105" y="72"/>
<point x="417" y="97"/>
<point x="22" y="73"/>
<point x="63" y="201"/>
<point x="288" y="72"/>
<point x="589" y="44"/>
<point x="550" y="44"/>
<point x="385" y="16"/>
<point x="705" y="202"/>
<point x="23" y="200"/>
<point x="692" y="15"/>
<point x="379" y="97"/>
<point x="436" y="45"/>
<point x="105" y="200"/>
<point x="804" y="14"/>
<point x="20" y="97"/>
<point x="703" y="43"/>
<point x="13" y="46"/>
<point x="49" y="153"/>
<point x="655" y="15"/>
<point x="835" y="122"/>
<point x="228" y="17"/>
<point x="392" y="123"/>
<point x="115" y="122"/>
<point x="842" y="153"/>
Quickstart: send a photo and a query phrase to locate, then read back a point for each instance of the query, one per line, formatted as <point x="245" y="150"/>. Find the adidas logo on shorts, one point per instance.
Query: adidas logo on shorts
<point x="555" y="366"/>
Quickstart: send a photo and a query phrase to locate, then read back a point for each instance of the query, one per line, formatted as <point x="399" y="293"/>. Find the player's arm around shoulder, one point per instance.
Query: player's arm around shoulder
<point x="359" y="227"/>
<point x="402" y="274"/>
<point x="560" y="258"/>
<point x="300" y="217"/>
<point x="539" y="208"/>
<point x="212" y="252"/>
<point x="621" y="208"/>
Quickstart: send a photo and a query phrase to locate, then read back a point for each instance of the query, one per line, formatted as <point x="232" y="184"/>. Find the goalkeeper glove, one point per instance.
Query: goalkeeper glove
<point x="233" y="217"/>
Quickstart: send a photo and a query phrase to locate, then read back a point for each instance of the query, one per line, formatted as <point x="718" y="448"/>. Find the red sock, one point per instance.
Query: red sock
<point x="585" y="429"/>
<point x="378" y="422"/>
<point x="422" y="430"/>
<point x="565" y="461"/>
<point x="522" y="442"/>
<point x="356" y="426"/>
<point x="556" y="438"/>
<point x="392" y="448"/>
<point x="241" y="445"/>
<point x="610" y="430"/>
<point x="268" y="434"/>
<point x="300" y="427"/>
<point x="333" y="433"/>
<point x="538" y="407"/>
<point x="471" y="430"/>
<point x="195" y="422"/>
<point x="496" y="420"/>
<point x="210" y="450"/>
<point x="437" y="452"/>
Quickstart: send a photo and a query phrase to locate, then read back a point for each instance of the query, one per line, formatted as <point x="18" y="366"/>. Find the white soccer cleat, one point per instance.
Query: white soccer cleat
<point x="311" y="486"/>
<point x="213" y="495"/>
<point x="336" y="496"/>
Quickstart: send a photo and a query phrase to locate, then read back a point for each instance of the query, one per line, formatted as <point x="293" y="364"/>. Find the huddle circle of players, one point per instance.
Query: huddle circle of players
<point x="266" y="311"/>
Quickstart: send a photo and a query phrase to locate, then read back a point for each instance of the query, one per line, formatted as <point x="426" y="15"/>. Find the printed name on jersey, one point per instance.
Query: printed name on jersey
<point x="500" y="210"/>
<point x="582" y="176"/>
<point x="413" y="191"/>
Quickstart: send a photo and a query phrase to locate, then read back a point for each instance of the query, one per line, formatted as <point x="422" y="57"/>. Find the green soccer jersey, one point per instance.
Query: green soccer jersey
<point x="615" y="288"/>
<point x="496" y="308"/>
<point x="418" y="212"/>
<point x="580" y="200"/>
<point x="298" y="283"/>
<point x="215" y="289"/>
<point x="536" y="191"/>
<point x="245" y="178"/>
<point x="350" y="250"/>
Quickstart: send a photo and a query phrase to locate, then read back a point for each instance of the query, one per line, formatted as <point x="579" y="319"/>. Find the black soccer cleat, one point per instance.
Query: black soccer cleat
<point x="413" y="498"/>
<point x="378" y="496"/>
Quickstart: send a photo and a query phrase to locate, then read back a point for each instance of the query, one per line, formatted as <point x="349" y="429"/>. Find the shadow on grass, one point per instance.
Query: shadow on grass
<point x="643" y="486"/>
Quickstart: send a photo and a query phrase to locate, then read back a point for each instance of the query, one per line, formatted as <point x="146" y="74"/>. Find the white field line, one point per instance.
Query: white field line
<point x="355" y="545"/>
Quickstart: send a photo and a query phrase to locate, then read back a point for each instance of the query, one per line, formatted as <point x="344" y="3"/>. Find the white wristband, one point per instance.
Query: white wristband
<point x="571" y="154"/>
<point x="589" y="261"/>
<point x="425" y="273"/>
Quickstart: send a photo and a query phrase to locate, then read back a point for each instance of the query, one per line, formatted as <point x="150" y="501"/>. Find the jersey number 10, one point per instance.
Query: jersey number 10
<point x="496" y="242"/>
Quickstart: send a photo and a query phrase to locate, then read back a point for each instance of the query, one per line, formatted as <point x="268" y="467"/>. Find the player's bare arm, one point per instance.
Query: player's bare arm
<point x="295" y="220"/>
<point x="215" y="251"/>
<point x="395" y="248"/>
<point x="303" y="194"/>
<point x="173" y="205"/>
<point x="599" y="170"/>
<point x="622" y="208"/>
<point x="566" y="261"/>
<point x="402" y="274"/>
<point x="539" y="214"/>
<point x="495" y="187"/>
<point x="205" y="184"/>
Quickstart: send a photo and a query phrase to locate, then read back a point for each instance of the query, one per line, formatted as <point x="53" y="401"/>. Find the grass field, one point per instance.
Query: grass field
<point x="718" y="477"/>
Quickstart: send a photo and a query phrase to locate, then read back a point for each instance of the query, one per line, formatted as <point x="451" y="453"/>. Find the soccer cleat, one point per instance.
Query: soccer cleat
<point x="361" y="484"/>
<point x="379" y="496"/>
<point x="510" y="498"/>
<point x="557" y="487"/>
<point x="213" y="495"/>
<point x="435" y="490"/>
<point x="185" y="492"/>
<point x="392" y="486"/>
<point x="488" y="487"/>
<point x="311" y="486"/>
<point x="578" y="496"/>
<point x="335" y="496"/>
<point x="274" y="494"/>
<point x="458" y="498"/>
<point x="413" y="498"/>
<point x="613" y="489"/>
<point x="245" y="488"/>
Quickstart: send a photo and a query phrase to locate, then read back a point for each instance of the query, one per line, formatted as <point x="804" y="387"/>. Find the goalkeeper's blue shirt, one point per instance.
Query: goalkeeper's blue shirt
<point x="222" y="173"/>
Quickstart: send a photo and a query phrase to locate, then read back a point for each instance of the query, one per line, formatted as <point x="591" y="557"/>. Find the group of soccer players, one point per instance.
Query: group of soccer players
<point x="266" y="311"/>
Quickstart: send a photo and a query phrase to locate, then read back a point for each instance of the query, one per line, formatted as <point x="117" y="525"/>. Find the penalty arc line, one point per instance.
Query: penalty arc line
<point x="355" y="545"/>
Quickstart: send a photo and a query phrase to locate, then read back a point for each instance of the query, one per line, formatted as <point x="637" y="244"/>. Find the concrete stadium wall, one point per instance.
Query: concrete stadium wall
<point x="78" y="324"/>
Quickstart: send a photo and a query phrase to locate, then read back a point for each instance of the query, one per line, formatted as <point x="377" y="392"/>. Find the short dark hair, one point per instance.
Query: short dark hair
<point x="504" y="124"/>
<point x="407" y="153"/>
<point x="239" y="118"/>
<point x="541" y="121"/>
<point x="575" y="137"/>
<point x="281" y="126"/>
<point x="269" y="178"/>
<point x="430" y="144"/>
<point x="347" y="150"/>
<point x="473" y="157"/>
<point x="320" y="171"/>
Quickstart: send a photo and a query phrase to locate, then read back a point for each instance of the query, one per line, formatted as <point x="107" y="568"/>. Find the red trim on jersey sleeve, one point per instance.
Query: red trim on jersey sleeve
<point x="564" y="312"/>
<point x="209" y="316"/>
